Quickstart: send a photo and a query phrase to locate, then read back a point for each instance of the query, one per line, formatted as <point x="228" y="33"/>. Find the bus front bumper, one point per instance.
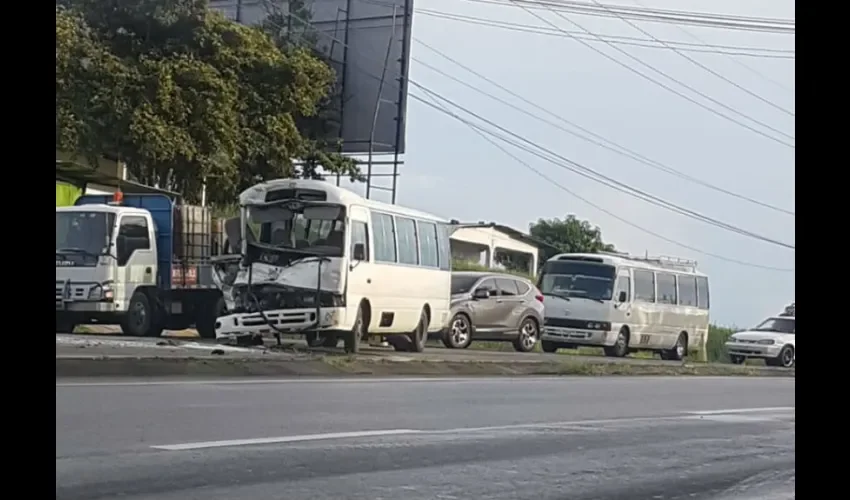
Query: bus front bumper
<point x="284" y="321"/>
<point x="578" y="337"/>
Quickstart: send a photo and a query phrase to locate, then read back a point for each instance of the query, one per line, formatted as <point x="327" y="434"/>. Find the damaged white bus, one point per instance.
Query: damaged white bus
<point x="325" y="262"/>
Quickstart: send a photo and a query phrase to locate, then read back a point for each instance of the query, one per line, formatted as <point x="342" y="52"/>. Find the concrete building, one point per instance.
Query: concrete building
<point x="496" y="246"/>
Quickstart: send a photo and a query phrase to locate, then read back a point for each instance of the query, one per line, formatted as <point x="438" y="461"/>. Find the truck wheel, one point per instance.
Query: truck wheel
<point x="139" y="320"/>
<point x="209" y="312"/>
<point x="64" y="325"/>
<point x="352" y="338"/>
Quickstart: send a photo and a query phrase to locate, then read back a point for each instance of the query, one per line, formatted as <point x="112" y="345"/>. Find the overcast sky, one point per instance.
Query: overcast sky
<point x="453" y="172"/>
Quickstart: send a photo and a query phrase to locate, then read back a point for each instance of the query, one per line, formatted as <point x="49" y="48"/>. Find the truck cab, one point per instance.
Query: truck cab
<point x="118" y="262"/>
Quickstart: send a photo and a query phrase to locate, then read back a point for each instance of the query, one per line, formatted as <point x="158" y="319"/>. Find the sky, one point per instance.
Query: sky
<point x="452" y="172"/>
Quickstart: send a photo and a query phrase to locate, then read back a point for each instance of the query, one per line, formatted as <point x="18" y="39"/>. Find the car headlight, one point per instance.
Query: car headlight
<point x="767" y="342"/>
<point x="733" y="339"/>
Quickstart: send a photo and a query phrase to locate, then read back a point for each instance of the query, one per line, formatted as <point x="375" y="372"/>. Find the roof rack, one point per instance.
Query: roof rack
<point x="665" y="261"/>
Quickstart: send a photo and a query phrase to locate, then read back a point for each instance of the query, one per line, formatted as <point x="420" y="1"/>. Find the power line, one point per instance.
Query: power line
<point x="663" y="85"/>
<point x="583" y="170"/>
<point x="706" y="48"/>
<point x="701" y="65"/>
<point x="749" y="68"/>
<point x="601" y="142"/>
<point x="595" y="176"/>
<point x="486" y="135"/>
<point x="779" y="26"/>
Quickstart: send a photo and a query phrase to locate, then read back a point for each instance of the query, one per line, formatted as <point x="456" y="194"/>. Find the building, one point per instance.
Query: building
<point x="496" y="246"/>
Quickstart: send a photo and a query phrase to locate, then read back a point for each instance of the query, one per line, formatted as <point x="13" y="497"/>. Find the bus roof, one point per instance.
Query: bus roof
<point x="649" y="263"/>
<point x="335" y="194"/>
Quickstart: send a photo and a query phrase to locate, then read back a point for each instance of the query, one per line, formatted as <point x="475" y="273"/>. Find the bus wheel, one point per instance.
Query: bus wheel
<point x="420" y="335"/>
<point x="548" y="346"/>
<point x="210" y="310"/>
<point x="352" y="338"/>
<point x="314" y="339"/>
<point x="679" y="351"/>
<point x="621" y="347"/>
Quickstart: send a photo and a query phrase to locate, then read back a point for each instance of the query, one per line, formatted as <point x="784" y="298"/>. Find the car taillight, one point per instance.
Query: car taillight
<point x="538" y="296"/>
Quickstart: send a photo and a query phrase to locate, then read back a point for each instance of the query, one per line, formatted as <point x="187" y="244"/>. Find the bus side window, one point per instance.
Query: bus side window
<point x="644" y="285"/>
<point x="624" y="284"/>
<point x="702" y="292"/>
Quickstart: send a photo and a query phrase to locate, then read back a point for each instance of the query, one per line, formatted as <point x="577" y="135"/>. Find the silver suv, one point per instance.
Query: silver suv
<point x="494" y="307"/>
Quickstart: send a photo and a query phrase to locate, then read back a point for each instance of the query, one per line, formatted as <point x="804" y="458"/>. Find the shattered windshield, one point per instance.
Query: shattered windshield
<point x="319" y="229"/>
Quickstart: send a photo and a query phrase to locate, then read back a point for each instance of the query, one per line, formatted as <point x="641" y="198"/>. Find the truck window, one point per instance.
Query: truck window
<point x="137" y="229"/>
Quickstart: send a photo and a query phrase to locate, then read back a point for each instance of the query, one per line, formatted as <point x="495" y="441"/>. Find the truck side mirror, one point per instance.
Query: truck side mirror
<point x="622" y="296"/>
<point x="359" y="253"/>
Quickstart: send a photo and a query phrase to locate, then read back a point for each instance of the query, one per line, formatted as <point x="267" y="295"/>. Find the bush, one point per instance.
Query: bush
<point x="465" y="265"/>
<point x="715" y="349"/>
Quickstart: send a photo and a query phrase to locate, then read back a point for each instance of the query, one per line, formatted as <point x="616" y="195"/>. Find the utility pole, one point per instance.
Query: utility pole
<point x="238" y="11"/>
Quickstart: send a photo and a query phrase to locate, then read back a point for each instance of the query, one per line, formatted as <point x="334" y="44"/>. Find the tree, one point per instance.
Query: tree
<point x="570" y="235"/>
<point x="184" y="96"/>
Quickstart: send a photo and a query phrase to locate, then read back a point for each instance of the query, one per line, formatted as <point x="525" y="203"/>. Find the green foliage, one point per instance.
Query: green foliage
<point x="569" y="235"/>
<point x="715" y="348"/>
<point x="183" y="95"/>
<point x="465" y="265"/>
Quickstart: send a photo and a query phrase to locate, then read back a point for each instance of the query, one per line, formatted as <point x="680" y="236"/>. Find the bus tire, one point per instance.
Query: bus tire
<point x="313" y="339"/>
<point x="549" y="346"/>
<point x="420" y="334"/>
<point x="621" y="347"/>
<point x="211" y="309"/>
<point x="352" y="338"/>
<point x="140" y="319"/>
<point x="679" y="351"/>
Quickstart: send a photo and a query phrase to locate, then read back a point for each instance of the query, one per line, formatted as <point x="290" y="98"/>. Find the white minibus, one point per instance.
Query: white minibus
<point x="322" y="261"/>
<point x="624" y="304"/>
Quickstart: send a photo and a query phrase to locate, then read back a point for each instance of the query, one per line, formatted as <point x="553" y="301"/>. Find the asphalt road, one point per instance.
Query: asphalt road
<point x="535" y="438"/>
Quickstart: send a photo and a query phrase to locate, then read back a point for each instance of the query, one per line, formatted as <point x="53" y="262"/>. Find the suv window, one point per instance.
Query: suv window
<point x="489" y="284"/>
<point x="507" y="286"/>
<point x="521" y="287"/>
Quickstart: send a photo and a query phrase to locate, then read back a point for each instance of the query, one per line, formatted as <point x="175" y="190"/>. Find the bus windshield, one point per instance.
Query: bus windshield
<point x="566" y="278"/>
<point x="318" y="229"/>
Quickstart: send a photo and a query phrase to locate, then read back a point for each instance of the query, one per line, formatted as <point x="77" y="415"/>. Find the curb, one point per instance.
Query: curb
<point x="127" y="366"/>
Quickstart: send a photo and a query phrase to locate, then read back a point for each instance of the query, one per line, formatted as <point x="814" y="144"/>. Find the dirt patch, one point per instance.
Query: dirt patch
<point x="220" y="366"/>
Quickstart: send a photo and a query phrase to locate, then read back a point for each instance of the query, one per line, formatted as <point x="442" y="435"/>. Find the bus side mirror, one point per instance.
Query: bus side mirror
<point x="622" y="297"/>
<point x="359" y="253"/>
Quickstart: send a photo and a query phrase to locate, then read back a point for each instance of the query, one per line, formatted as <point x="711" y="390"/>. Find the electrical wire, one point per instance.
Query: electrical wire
<point x="663" y="85"/>
<point x="581" y="170"/>
<point x="778" y="26"/>
<point x="486" y="135"/>
<point x="701" y="65"/>
<point x="735" y="60"/>
<point x="591" y="174"/>
<point x="596" y="139"/>
<point x="729" y="50"/>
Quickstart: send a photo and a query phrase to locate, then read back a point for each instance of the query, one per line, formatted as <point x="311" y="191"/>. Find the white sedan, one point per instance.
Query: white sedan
<point x="772" y="340"/>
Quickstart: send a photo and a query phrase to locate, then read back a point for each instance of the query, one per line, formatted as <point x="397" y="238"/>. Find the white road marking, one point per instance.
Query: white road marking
<point x="282" y="439"/>
<point x="728" y="416"/>
<point x="742" y="410"/>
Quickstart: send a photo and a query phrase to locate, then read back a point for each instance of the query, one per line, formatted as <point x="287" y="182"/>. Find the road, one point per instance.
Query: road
<point x="416" y="439"/>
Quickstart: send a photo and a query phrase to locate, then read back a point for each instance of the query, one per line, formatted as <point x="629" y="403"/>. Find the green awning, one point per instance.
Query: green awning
<point x="81" y="175"/>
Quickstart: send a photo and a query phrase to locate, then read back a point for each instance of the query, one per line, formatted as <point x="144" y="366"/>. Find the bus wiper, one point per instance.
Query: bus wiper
<point x="559" y="295"/>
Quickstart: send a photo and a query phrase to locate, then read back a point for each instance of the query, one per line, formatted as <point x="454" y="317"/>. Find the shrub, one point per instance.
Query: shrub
<point x="715" y="350"/>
